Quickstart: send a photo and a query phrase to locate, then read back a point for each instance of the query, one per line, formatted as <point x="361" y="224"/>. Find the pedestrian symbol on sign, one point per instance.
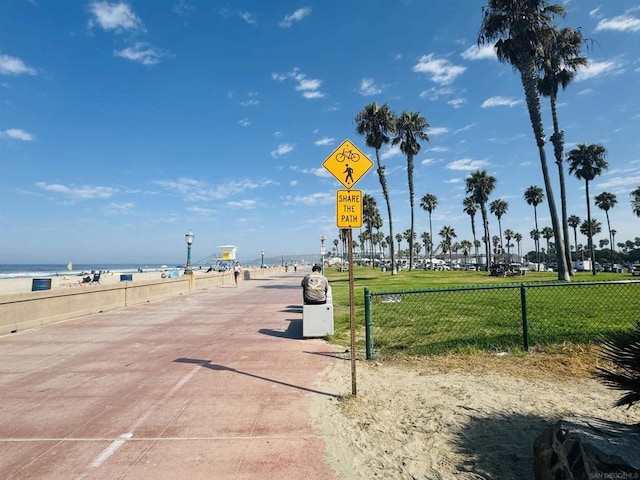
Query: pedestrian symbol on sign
<point x="349" y="172"/>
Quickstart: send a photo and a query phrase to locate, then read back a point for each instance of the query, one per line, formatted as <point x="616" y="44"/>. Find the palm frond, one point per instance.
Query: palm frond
<point x="622" y="349"/>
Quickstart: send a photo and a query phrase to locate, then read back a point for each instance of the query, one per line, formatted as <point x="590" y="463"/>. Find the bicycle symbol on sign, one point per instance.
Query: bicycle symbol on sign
<point x="347" y="155"/>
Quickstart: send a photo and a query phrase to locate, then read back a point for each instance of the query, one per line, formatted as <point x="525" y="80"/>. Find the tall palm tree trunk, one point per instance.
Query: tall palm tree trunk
<point x="475" y="247"/>
<point x="411" y="202"/>
<point x="529" y="80"/>
<point x="385" y="194"/>
<point x="558" y="146"/>
<point x="487" y="246"/>
<point x="430" y="239"/>
<point x="592" y="253"/>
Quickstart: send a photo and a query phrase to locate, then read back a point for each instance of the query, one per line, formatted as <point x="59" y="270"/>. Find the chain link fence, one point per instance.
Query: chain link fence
<point x="497" y="318"/>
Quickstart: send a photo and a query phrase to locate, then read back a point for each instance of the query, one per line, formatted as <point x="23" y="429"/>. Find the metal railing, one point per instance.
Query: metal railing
<point x="497" y="317"/>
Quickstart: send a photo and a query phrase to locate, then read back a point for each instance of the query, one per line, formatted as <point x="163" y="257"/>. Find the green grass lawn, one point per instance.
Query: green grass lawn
<point x="418" y="322"/>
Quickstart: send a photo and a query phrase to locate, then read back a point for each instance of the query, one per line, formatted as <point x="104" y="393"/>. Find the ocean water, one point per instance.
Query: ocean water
<point x="52" y="270"/>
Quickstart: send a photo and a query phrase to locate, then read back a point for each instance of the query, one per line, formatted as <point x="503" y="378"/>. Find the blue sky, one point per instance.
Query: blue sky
<point x="123" y="125"/>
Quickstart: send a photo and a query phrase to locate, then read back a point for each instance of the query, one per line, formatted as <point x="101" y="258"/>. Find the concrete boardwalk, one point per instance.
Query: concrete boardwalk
<point x="211" y="385"/>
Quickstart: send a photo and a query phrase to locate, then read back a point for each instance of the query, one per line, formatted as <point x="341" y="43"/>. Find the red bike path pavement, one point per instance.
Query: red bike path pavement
<point x="216" y="384"/>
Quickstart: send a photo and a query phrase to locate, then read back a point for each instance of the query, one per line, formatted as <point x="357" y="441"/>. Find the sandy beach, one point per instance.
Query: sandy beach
<point x="453" y="417"/>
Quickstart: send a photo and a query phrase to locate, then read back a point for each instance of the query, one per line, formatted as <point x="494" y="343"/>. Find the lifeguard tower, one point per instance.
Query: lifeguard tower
<point x="228" y="253"/>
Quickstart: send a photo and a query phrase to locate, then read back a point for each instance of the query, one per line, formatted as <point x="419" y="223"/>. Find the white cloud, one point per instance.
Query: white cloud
<point x="252" y="100"/>
<point x="438" y="149"/>
<point x="625" y="183"/>
<point x="85" y="192"/>
<point x="500" y="102"/>
<point x="17" y="134"/>
<point x="482" y="52"/>
<point x="244" y="122"/>
<point x="310" y="88"/>
<point x="457" y="102"/>
<point x="311" y="200"/>
<point x="245" y="204"/>
<point x="440" y="70"/>
<point x="141" y="52"/>
<point x="282" y="149"/>
<point x="369" y="87"/>
<point x="248" y="17"/>
<point x="467" y="164"/>
<point x="205" y="212"/>
<point x="435" y="93"/>
<point x="295" y="17"/>
<point x="114" y="16"/>
<point x="196" y="190"/>
<point x="595" y="69"/>
<point x="14" y="66"/>
<point x="123" y="208"/>
<point x="390" y="152"/>
<point x="621" y="23"/>
<point x="324" y="141"/>
<point x="435" y="131"/>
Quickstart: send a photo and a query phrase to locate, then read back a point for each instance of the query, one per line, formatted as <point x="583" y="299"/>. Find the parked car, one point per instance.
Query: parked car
<point x="635" y="270"/>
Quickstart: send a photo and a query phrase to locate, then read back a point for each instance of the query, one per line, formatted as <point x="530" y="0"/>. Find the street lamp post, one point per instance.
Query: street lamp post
<point x="189" y="239"/>
<point x="261" y="258"/>
<point x="322" y="252"/>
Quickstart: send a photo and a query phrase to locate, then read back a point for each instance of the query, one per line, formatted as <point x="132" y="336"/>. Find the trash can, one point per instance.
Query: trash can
<point x="40" y="284"/>
<point x="247" y="275"/>
<point x="126" y="277"/>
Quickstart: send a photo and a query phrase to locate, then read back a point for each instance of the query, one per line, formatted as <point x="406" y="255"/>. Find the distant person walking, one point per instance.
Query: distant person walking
<point x="236" y="273"/>
<point x="314" y="287"/>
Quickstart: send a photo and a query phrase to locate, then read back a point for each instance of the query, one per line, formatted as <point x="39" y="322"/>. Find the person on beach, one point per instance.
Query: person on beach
<point x="236" y="273"/>
<point x="314" y="287"/>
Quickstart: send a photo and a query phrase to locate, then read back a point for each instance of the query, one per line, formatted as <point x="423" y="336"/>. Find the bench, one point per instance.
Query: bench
<point x="317" y="320"/>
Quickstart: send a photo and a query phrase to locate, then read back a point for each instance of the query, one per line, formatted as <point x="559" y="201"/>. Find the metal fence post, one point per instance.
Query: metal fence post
<point x="525" y="322"/>
<point x="367" y="322"/>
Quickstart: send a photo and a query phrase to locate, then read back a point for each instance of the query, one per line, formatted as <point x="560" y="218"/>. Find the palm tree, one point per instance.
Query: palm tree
<point x="466" y="246"/>
<point x="499" y="207"/>
<point x="521" y="28"/>
<point x="409" y="236"/>
<point x="369" y="217"/>
<point x="376" y="123"/>
<point x="590" y="229"/>
<point x="606" y="201"/>
<point x="429" y="203"/>
<point x="470" y="208"/>
<point x="480" y="185"/>
<point x="398" y="239"/>
<point x="635" y="201"/>
<point x="561" y="61"/>
<point x="508" y="234"/>
<point x="574" y="222"/>
<point x="535" y="196"/>
<point x="426" y="240"/>
<point x="448" y="234"/>
<point x="410" y="129"/>
<point x="547" y="234"/>
<point x="518" y="238"/>
<point x="587" y="162"/>
<point x="535" y="236"/>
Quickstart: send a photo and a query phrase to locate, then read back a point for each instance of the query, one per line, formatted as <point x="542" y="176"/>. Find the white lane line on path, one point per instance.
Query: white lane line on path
<point x="111" y="449"/>
<point x="116" y="444"/>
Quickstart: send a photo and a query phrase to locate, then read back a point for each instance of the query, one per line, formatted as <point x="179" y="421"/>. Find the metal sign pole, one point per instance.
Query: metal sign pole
<point x="352" y="315"/>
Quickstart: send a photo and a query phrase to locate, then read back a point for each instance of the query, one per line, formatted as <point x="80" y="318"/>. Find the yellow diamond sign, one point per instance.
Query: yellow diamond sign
<point x="348" y="164"/>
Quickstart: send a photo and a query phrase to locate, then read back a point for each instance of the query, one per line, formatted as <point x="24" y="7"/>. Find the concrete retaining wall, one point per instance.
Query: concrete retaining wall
<point x="33" y="309"/>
